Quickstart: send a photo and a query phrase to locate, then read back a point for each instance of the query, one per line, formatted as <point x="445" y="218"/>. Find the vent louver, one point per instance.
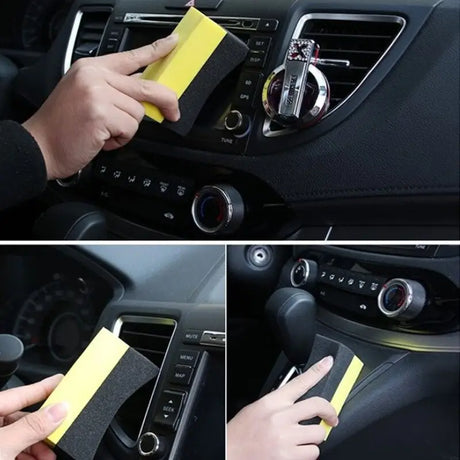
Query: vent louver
<point x="151" y="338"/>
<point x="90" y="33"/>
<point x="362" y="42"/>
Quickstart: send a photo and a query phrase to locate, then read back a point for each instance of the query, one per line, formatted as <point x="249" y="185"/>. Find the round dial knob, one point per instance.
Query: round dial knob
<point x="150" y="445"/>
<point x="304" y="273"/>
<point x="218" y="209"/>
<point x="11" y="350"/>
<point x="237" y="123"/>
<point x="402" y="299"/>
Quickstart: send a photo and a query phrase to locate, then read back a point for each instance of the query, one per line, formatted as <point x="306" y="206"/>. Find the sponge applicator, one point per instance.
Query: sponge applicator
<point x="107" y="373"/>
<point x="204" y="55"/>
<point x="338" y="383"/>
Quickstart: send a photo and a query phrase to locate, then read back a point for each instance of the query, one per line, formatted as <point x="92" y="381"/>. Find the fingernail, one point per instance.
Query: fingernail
<point x="57" y="412"/>
<point x="337" y="422"/>
<point x="328" y="361"/>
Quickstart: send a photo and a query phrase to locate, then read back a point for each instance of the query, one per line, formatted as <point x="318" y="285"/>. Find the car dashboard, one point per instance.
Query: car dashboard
<point x="166" y="302"/>
<point x="369" y="167"/>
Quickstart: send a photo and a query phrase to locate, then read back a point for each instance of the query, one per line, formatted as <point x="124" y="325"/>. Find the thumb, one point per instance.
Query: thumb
<point x="34" y="427"/>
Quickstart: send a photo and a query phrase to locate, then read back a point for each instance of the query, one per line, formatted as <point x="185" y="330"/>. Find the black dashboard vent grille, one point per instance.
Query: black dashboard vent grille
<point x="90" y="33"/>
<point x="151" y="338"/>
<point x="361" y="42"/>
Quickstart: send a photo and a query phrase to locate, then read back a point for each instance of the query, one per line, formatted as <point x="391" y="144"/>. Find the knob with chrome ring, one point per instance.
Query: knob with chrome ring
<point x="401" y="299"/>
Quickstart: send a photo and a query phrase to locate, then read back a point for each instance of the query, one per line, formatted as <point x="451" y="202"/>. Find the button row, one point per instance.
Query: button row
<point x="351" y="281"/>
<point x="144" y="180"/>
<point x="185" y="364"/>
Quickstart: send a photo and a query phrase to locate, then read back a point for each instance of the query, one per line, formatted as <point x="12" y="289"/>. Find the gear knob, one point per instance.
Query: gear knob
<point x="292" y="313"/>
<point x="11" y="350"/>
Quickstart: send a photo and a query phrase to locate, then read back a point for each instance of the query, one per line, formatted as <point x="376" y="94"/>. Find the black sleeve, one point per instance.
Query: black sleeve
<point x="22" y="168"/>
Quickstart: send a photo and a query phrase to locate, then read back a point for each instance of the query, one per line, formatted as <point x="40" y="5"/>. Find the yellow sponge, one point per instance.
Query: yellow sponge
<point x="106" y="374"/>
<point x="204" y="55"/>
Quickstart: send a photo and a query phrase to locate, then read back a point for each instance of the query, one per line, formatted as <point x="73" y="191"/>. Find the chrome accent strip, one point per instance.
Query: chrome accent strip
<point x="116" y="329"/>
<point x="72" y="40"/>
<point x="440" y="343"/>
<point x="233" y="22"/>
<point x="213" y="338"/>
<point x="267" y="132"/>
<point x="289" y="376"/>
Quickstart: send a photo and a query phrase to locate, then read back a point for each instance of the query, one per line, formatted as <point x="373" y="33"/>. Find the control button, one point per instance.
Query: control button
<point x="260" y="43"/>
<point x="239" y="124"/>
<point x="112" y="44"/>
<point x="115" y="33"/>
<point x="150" y="445"/>
<point x="256" y="59"/>
<point x="102" y="170"/>
<point x="192" y="336"/>
<point x="323" y="274"/>
<point x="188" y="357"/>
<point x="353" y="303"/>
<point x="182" y="375"/>
<point x="119" y="18"/>
<point x="169" y="408"/>
<point x="268" y="25"/>
<point x="200" y="4"/>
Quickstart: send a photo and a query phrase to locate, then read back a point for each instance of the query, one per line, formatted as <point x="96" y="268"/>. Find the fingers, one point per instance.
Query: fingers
<point x="42" y="451"/>
<point x="301" y="384"/>
<point x="314" y="407"/>
<point x="128" y="105"/>
<point x="122" y="127"/>
<point x="308" y="434"/>
<point x="34" y="427"/>
<point x="15" y="399"/>
<point x="129" y="62"/>
<point x="310" y="452"/>
<point x="148" y="91"/>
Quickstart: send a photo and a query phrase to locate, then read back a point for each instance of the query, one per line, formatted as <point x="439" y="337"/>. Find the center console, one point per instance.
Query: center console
<point x="274" y="152"/>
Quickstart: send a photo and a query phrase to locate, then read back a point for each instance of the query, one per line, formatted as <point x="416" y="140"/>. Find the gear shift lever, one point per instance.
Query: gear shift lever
<point x="292" y="314"/>
<point x="11" y="350"/>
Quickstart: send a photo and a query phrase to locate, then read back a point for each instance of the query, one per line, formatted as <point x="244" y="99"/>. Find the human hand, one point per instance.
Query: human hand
<point x="21" y="433"/>
<point x="269" y="428"/>
<point x="97" y="105"/>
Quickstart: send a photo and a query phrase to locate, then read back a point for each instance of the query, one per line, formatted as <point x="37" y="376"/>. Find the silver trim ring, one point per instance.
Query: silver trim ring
<point x="229" y="207"/>
<point x="320" y="105"/>
<point x="407" y="302"/>
<point x="156" y="447"/>
<point x="307" y="273"/>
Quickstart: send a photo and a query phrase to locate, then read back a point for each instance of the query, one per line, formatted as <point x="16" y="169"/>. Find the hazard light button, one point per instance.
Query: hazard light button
<point x="169" y="409"/>
<point x="200" y="4"/>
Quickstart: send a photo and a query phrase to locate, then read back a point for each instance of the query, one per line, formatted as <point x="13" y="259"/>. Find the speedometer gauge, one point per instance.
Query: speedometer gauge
<point x="57" y="319"/>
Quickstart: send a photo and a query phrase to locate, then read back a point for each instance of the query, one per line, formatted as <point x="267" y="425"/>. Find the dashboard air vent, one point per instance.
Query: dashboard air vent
<point x="360" y="39"/>
<point x="150" y="337"/>
<point x="90" y="33"/>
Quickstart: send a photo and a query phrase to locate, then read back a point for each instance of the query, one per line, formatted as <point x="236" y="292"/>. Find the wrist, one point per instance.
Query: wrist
<point x="45" y="147"/>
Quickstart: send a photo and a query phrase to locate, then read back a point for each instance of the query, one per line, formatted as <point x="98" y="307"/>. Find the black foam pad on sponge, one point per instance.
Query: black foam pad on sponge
<point x="102" y="379"/>
<point x="338" y="383"/>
